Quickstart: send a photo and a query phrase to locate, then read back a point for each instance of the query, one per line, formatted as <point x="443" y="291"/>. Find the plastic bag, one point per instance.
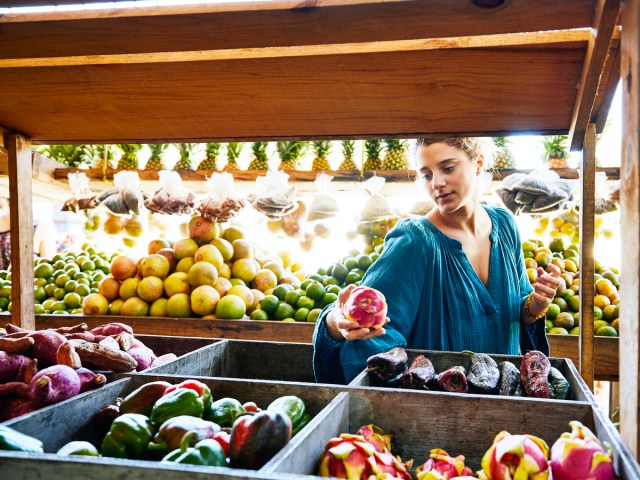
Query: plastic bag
<point x="82" y="197"/>
<point x="377" y="207"/>
<point x="540" y="191"/>
<point x="605" y="194"/>
<point x="221" y="202"/>
<point x="172" y="198"/>
<point x="324" y="205"/>
<point x="275" y="198"/>
<point x="125" y="198"/>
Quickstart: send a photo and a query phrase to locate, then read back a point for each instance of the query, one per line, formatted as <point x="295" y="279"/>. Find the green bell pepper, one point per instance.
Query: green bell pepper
<point x="225" y="411"/>
<point x="128" y="437"/>
<point x="294" y="408"/>
<point x="182" y="401"/>
<point x="78" y="448"/>
<point x="13" y="440"/>
<point x="207" y="452"/>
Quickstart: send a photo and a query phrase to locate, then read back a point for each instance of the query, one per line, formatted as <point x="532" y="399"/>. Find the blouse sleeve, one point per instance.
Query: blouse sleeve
<point x="399" y="274"/>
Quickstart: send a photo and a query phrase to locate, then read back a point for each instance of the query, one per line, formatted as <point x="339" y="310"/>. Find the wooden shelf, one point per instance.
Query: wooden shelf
<point x="606" y="354"/>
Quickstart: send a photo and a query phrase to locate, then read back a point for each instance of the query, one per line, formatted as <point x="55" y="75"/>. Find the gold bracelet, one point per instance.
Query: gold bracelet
<point x="528" y="314"/>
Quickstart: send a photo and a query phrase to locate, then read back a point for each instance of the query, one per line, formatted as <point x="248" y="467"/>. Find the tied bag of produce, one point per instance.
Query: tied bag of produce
<point x="82" y="197"/>
<point x="172" y="198"/>
<point x="221" y="202"/>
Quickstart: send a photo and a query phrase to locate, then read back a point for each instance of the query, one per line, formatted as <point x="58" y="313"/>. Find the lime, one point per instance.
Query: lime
<point x="58" y="306"/>
<point x="364" y="261"/>
<point x="313" y="315"/>
<point x="333" y="289"/>
<point x="269" y="304"/>
<point x="281" y="290"/>
<point x="47" y="304"/>
<point x="59" y="293"/>
<point x="328" y="299"/>
<point x="564" y="320"/>
<point x="607" y="332"/>
<point x="305" y="284"/>
<point x="82" y="290"/>
<point x="352" y="277"/>
<point x="374" y="256"/>
<point x="72" y="300"/>
<point x="44" y="270"/>
<point x="292" y="298"/>
<point x="301" y="315"/>
<point x="340" y="272"/>
<point x="322" y="272"/>
<point x="326" y="281"/>
<point x="562" y="303"/>
<point x="315" y="276"/>
<point x="597" y="313"/>
<point x="558" y="331"/>
<point x="548" y="325"/>
<point x="553" y="311"/>
<point x="316" y="291"/>
<point x="568" y="294"/>
<point x="38" y="309"/>
<point x="59" y="265"/>
<point x="70" y="286"/>
<point x="283" y="311"/>
<point x="289" y="320"/>
<point x="574" y="331"/>
<point x="39" y="295"/>
<point x="350" y="263"/>
<point x="574" y="302"/>
<point x="5" y="292"/>
<point x="62" y="280"/>
<point x="306" y="302"/>
<point x="38" y="282"/>
<point x="258" y="314"/>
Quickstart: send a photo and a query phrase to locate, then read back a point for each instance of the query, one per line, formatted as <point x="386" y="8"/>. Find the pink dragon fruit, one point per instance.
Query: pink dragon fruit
<point x="580" y="454"/>
<point x="515" y="456"/>
<point x="376" y="437"/>
<point x="388" y="466"/>
<point x="349" y="456"/>
<point x="366" y="306"/>
<point x="441" y="466"/>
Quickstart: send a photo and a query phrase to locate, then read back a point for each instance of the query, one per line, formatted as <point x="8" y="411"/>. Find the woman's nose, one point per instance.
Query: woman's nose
<point x="437" y="182"/>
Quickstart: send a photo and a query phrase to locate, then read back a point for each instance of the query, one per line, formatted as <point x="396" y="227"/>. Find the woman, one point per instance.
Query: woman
<point x="454" y="280"/>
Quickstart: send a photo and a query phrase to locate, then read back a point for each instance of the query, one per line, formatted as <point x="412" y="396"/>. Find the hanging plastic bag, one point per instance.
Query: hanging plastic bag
<point x="324" y="205"/>
<point x="221" y="201"/>
<point x="125" y="198"/>
<point x="82" y="197"/>
<point x="377" y="207"/>
<point x="172" y="198"/>
<point x="293" y="223"/>
<point x="605" y="194"/>
<point x="274" y="197"/>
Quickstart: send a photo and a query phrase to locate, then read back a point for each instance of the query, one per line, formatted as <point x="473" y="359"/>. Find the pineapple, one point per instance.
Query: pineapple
<point x="210" y="161"/>
<point x="155" y="160"/>
<point x="396" y="156"/>
<point x="555" y="151"/>
<point x="374" y="150"/>
<point x="105" y="154"/>
<point x="348" y="146"/>
<point x="260" y="159"/>
<point x="75" y="156"/>
<point x="290" y="153"/>
<point x="186" y="150"/>
<point x="129" y="158"/>
<point x="504" y="157"/>
<point x="233" y="153"/>
<point x="321" y="149"/>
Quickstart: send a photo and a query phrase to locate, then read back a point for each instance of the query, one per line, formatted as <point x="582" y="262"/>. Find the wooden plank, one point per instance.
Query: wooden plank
<point x="21" y="219"/>
<point x="587" y="262"/>
<point x="195" y="327"/>
<point x="525" y="89"/>
<point x="605" y="354"/>
<point x="607" y="92"/>
<point x="604" y="26"/>
<point x="630" y="227"/>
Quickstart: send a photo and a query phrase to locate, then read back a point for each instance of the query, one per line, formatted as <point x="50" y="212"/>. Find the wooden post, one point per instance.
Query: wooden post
<point x="21" y="217"/>
<point x="588" y="182"/>
<point x="630" y="226"/>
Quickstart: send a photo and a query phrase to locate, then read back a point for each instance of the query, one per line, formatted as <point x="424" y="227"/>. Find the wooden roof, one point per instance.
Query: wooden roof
<point x="285" y="69"/>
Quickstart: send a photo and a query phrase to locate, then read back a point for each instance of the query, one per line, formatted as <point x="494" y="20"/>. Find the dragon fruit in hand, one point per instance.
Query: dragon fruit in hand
<point x="580" y="454"/>
<point x="441" y="466"/>
<point x="515" y="456"/>
<point x="366" y="306"/>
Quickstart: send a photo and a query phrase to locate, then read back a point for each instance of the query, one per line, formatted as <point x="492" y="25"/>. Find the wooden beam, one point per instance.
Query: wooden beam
<point x="630" y="226"/>
<point x="421" y="44"/>
<point x="21" y="217"/>
<point x="609" y="86"/>
<point x="604" y="27"/>
<point x="587" y="263"/>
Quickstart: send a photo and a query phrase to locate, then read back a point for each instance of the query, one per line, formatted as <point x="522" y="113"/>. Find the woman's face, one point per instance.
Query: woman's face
<point x="449" y="175"/>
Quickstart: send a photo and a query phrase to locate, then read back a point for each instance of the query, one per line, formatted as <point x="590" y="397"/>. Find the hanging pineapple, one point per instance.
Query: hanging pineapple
<point x="348" y="146"/>
<point x="210" y="161"/>
<point x="186" y="151"/>
<point x="105" y="153"/>
<point x="155" y="160"/>
<point x="321" y="148"/>
<point x="290" y="153"/>
<point x="260" y="160"/>
<point x="504" y="157"/>
<point x="129" y="158"/>
<point x="555" y="151"/>
<point x="233" y="153"/>
<point x="374" y="150"/>
<point x="396" y="156"/>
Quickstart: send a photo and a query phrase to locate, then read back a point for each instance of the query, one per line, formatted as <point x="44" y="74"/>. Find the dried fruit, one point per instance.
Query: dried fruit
<point x="453" y="380"/>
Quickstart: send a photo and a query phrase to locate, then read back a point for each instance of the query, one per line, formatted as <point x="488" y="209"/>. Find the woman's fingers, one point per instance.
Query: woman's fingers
<point x="344" y="324"/>
<point x="544" y="290"/>
<point x="362" y="333"/>
<point x="343" y="296"/>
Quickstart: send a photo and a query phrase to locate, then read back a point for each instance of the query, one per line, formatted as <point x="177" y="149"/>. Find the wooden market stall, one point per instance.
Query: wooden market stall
<point x="328" y="69"/>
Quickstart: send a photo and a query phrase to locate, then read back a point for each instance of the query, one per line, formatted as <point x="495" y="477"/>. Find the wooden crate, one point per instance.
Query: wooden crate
<point x="456" y="423"/>
<point x="605" y="354"/>
<point x="445" y="360"/>
<point x="73" y="420"/>
<point x="289" y="362"/>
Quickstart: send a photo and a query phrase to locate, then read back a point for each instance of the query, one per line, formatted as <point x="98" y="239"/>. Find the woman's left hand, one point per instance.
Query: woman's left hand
<point x="544" y="288"/>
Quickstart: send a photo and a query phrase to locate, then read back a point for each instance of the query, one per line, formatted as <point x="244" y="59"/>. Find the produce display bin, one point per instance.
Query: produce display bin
<point x="289" y="362"/>
<point x="457" y="423"/>
<point x="74" y="420"/>
<point x="444" y="360"/>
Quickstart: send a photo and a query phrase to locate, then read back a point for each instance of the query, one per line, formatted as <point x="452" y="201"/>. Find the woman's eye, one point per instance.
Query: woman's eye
<point x="426" y="176"/>
<point x="448" y="169"/>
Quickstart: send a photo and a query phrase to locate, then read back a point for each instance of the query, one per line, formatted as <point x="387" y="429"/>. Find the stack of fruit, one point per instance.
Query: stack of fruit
<point x="214" y="273"/>
<point x="563" y="316"/>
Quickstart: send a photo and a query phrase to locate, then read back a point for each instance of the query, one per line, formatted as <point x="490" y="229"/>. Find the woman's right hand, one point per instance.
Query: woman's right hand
<point x="340" y="328"/>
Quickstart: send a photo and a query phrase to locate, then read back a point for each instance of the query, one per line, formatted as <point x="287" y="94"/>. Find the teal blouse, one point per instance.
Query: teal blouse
<point x="436" y="301"/>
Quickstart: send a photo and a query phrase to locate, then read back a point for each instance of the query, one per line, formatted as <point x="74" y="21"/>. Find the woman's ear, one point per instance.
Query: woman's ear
<point x="479" y="163"/>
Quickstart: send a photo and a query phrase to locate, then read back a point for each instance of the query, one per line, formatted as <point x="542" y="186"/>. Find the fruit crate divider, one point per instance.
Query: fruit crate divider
<point x="444" y="360"/>
<point x="458" y="423"/>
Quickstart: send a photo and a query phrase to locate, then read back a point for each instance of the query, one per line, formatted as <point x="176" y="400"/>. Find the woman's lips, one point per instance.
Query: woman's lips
<point x="444" y="196"/>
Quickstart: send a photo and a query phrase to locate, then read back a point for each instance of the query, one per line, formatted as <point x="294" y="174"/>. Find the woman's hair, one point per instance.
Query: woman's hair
<point x="472" y="146"/>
